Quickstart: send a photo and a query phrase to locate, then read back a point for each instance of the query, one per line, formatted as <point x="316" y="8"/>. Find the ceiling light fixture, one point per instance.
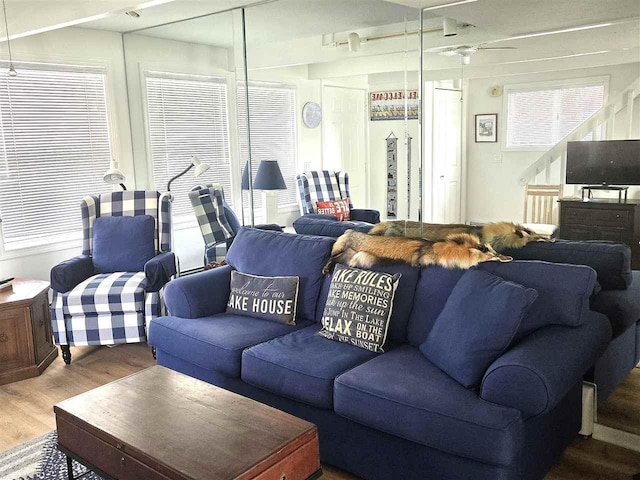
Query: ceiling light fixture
<point x="445" y="5"/>
<point x="12" y="70"/>
<point x="132" y="14"/>
<point x="354" y="42"/>
<point x="449" y="27"/>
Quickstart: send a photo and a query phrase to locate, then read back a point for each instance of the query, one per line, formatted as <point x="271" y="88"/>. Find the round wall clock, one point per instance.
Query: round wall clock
<point x="311" y="114"/>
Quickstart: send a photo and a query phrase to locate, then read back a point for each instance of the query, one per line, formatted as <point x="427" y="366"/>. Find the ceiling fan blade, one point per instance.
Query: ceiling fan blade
<point x="497" y="48"/>
<point x="448" y="53"/>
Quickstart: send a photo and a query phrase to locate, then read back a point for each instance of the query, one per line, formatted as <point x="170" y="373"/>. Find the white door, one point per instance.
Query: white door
<point x="447" y="115"/>
<point x="345" y="139"/>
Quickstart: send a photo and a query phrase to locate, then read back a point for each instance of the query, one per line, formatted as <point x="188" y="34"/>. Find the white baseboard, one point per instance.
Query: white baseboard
<point x="626" y="440"/>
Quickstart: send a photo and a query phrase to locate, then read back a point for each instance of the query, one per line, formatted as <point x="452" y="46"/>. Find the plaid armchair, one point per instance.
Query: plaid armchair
<point x="325" y="185"/>
<point x="218" y="223"/>
<point x="93" y="307"/>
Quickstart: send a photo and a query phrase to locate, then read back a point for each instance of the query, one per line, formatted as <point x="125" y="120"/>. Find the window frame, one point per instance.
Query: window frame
<point x="544" y="85"/>
<point x="72" y="241"/>
<point x="182" y="222"/>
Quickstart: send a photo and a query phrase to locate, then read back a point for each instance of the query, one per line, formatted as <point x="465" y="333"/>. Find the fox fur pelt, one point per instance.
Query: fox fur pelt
<point x="501" y="235"/>
<point x="459" y="250"/>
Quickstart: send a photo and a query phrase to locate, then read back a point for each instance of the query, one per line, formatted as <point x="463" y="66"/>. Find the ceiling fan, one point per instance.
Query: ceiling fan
<point x="465" y="51"/>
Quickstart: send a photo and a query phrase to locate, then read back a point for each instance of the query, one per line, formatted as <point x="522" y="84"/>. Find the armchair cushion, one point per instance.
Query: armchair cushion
<point x="70" y="273"/>
<point x="159" y="270"/>
<point x="107" y="293"/>
<point x="365" y="215"/>
<point x="123" y="244"/>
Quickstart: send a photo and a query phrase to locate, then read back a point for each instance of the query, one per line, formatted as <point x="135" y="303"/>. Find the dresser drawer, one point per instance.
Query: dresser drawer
<point x="611" y="217"/>
<point x="108" y="458"/>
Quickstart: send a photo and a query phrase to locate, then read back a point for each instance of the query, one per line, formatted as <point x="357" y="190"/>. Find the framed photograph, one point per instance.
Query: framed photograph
<point x="487" y="128"/>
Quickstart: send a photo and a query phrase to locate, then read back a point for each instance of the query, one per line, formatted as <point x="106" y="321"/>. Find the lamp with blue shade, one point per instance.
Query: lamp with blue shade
<point x="269" y="179"/>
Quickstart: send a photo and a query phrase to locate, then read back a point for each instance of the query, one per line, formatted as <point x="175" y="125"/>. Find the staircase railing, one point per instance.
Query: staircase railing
<point x="605" y="118"/>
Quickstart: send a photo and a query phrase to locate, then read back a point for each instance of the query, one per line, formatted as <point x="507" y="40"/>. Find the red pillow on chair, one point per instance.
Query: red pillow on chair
<point x="339" y="208"/>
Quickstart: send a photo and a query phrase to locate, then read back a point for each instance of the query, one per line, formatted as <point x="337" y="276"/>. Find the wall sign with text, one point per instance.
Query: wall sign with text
<point x="389" y="105"/>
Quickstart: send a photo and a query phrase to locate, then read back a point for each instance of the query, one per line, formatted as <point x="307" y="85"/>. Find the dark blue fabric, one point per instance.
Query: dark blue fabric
<point x="301" y="366"/>
<point x="232" y="219"/>
<point x="432" y="291"/>
<point x="159" y="270"/>
<point x="66" y="275"/>
<point x="563" y="291"/>
<point x="263" y="252"/>
<point x="534" y="375"/>
<point x="402" y="393"/>
<point x="214" y="342"/>
<point x="402" y="302"/>
<point x="622" y="307"/>
<point x="612" y="261"/>
<point x="123" y="244"/>
<point x="365" y="215"/>
<point x="199" y="295"/>
<point x="476" y="325"/>
<point x="327" y="226"/>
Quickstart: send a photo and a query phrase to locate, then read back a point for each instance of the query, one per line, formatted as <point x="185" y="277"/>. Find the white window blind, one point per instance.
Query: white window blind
<point x="187" y="116"/>
<point x="55" y="148"/>
<point x="540" y="118"/>
<point x="272" y="110"/>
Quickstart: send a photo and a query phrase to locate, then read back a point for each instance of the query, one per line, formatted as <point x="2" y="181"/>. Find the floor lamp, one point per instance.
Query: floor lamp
<point x="269" y="179"/>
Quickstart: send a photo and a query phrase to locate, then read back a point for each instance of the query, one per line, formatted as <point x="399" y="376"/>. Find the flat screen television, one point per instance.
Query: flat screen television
<point x="607" y="162"/>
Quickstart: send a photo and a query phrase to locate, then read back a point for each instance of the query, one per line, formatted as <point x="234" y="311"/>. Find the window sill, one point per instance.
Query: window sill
<point x="40" y="248"/>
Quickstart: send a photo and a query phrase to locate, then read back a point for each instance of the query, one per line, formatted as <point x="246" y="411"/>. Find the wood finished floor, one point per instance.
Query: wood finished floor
<point x="622" y="408"/>
<point x="26" y="411"/>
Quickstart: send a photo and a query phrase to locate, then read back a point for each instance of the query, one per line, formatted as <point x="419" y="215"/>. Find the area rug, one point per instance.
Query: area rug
<point x="39" y="459"/>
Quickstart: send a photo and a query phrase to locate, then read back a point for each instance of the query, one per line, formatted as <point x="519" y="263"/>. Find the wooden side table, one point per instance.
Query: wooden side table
<point x="26" y="341"/>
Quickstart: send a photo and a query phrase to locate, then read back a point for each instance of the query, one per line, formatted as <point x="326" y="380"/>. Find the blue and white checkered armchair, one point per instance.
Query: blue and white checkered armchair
<point x="323" y="186"/>
<point x="92" y="306"/>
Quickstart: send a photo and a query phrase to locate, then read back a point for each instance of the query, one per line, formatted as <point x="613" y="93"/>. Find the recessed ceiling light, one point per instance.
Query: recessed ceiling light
<point x="132" y="14"/>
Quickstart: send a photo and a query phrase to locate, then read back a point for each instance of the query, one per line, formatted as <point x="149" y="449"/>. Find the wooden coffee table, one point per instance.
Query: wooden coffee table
<point x="159" y="425"/>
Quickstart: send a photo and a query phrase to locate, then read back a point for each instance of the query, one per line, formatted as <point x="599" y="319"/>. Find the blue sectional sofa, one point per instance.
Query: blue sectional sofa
<point x="395" y="414"/>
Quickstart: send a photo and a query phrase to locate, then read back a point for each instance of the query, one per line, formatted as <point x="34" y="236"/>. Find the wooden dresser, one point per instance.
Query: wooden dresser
<point x="602" y="219"/>
<point x="26" y="342"/>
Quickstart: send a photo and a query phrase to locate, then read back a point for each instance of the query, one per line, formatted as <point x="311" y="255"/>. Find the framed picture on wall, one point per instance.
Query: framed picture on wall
<point x="487" y="128"/>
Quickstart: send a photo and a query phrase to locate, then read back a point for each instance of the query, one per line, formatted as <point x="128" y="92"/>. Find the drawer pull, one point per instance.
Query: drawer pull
<point x="4" y="337"/>
<point x="617" y="215"/>
<point x="122" y="460"/>
<point x="283" y="477"/>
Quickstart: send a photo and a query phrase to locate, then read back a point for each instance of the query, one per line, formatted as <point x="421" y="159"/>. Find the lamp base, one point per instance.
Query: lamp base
<point x="270" y="202"/>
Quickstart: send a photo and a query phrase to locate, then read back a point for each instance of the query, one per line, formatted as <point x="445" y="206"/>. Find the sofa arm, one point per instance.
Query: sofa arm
<point x="364" y="215"/>
<point x="66" y="275"/>
<point x="159" y="270"/>
<point x="199" y="295"/>
<point x="538" y="372"/>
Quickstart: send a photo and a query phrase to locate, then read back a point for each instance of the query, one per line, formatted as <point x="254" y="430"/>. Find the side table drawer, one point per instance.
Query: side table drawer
<point x="102" y="455"/>
<point x="611" y="217"/>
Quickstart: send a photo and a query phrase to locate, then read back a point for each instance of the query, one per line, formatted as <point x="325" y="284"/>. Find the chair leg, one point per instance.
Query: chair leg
<point x="66" y="354"/>
<point x="153" y="352"/>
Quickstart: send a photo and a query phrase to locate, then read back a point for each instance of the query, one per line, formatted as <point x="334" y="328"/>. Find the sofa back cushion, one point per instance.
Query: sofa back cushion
<point x="563" y="294"/>
<point x="123" y="244"/>
<point x="402" y="303"/>
<point x="273" y="254"/>
<point x="611" y="261"/>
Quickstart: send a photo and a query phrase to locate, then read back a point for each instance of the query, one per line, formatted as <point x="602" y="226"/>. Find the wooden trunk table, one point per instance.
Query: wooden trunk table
<point x="26" y="341"/>
<point x="162" y="425"/>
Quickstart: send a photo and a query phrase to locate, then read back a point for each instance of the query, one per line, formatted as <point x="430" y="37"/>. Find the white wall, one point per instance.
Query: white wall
<point x="493" y="189"/>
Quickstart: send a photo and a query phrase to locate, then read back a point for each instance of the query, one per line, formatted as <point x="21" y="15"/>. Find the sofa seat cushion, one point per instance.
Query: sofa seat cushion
<point x="622" y="307"/>
<point x="107" y="293"/>
<point x="215" y="342"/>
<point x="301" y="366"/>
<point x="402" y="393"/>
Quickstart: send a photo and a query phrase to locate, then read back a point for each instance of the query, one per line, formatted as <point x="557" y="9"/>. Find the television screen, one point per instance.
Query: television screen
<point x="608" y="162"/>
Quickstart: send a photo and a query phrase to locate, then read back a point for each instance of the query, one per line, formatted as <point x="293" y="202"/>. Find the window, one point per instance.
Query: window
<point x="541" y="117"/>
<point x="54" y="149"/>
<point x="272" y="109"/>
<point x="187" y="116"/>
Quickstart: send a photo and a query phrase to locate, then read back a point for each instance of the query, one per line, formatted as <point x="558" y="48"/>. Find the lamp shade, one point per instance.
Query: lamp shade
<point x="201" y="167"/>
<point x="245" y="177"/>
<point x="269" y="176"/>
<point x="114" y="175"/>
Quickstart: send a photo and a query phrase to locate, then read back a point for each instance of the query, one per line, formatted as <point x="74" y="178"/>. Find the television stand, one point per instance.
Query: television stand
<point x="589" y="189"/>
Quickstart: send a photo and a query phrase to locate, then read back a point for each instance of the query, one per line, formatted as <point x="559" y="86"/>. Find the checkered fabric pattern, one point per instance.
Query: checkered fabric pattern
<point x="128" y="203"/>
<point x="321" y="186"/>
<point x="208" y="206"/>
<point x="105" y="309"/>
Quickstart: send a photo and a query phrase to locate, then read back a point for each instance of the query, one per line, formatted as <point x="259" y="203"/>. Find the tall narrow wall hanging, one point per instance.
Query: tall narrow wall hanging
<point x="392" y="176"/>
<point x="407" y="142"/>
